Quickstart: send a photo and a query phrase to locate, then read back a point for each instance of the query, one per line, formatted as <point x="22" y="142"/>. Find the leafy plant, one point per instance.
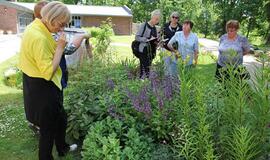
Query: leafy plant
<point x="102" y="141"/>
<point x="162" y="151"/>
<point x="243" y="144"/>
<point x="101" y="37"/>
<point x="13" y="77"/>
<point x="136" y="147"/>
<point x="110" y="139"/>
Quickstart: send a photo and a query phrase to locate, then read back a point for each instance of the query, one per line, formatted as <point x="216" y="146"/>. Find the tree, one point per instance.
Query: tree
<point x="248" y="12"/>
<point x="267" y="11"/>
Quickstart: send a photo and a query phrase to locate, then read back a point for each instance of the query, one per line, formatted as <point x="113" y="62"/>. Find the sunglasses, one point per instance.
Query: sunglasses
<point x="175" y="17"/>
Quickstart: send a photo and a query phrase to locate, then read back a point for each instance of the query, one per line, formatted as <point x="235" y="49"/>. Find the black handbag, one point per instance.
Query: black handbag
<point x="135" y="48"/>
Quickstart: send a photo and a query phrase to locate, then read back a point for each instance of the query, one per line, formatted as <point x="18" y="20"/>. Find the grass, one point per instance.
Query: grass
<point x="18" y="142"/>
<point x="205" y="70"/>
<point x="121" y="53"/>
<point x="123" y="39"/>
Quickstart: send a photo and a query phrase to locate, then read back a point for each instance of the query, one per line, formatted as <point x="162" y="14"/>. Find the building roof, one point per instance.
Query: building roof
<point x="123" y="11"/>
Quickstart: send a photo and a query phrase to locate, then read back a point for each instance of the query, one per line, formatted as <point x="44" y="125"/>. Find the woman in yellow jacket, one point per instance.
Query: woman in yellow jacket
<point x="39" y="61"/>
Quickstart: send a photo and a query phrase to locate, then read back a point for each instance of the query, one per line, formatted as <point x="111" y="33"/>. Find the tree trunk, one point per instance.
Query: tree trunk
<point x="268" y="36"/>
<point x="249" y="27"/>
<point x="268" y="39"/>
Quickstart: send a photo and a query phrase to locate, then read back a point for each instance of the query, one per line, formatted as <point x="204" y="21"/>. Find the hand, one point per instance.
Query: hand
<point x="61" y="43"/>
<point x="177" y="55"/>
<point x="152" y="38"/>
<point x="195" y="63"/>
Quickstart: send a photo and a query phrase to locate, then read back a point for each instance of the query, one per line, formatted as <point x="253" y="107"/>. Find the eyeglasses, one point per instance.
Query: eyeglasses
<point x="175" y="17"/>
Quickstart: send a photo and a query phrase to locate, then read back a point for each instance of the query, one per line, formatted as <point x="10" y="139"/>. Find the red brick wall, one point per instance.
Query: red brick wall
<point x="8" y="19"/>
<point x="122" y="25"/>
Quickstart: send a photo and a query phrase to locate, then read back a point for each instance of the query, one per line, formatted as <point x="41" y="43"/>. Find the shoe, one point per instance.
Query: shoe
<point x="73" y="147"/>
<point x="34" y="128"/>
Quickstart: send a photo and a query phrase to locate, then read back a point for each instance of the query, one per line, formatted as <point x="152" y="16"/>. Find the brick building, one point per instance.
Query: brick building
<point x="15" y="16"/>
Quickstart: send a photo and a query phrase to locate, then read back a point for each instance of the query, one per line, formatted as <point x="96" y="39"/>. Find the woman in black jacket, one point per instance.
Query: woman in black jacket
<point x="170" y="28"/>
<point x="147" y="37"/>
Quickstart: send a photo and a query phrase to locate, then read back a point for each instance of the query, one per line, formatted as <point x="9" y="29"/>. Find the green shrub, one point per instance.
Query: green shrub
<point x="111" y="139"/>
<point x="101" y="37"/>
<point x="243" y="144"/>
<point x="82" y="99"/>
<point x="162" y="151"/>
<point x="102" y="141"/>
<point x="13" y="77"/>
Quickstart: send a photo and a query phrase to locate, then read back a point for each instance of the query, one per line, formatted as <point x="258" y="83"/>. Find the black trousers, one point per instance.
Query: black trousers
<point x="146" y="59"/>
<point x="223" y="74"/>
<point x="43" y="102"/>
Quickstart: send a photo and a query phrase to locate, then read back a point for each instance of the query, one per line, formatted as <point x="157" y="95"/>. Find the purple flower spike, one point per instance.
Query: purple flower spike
<point x="110" y="84"/>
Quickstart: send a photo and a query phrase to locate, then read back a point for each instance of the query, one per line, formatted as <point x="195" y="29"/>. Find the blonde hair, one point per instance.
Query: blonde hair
<point x="232" y="24"/>
<point x="156" y="13"/>
<point x="55" y="11"/>
<point x="38" y="8"/>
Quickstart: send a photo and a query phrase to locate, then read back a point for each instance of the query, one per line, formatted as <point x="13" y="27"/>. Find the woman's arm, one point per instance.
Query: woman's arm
<point x="139" y="35"/>
<point x="246" y="46"/>
<point x="61" y="43"/>
<point x="76" y="43"/>
<point x="196" y="50"/>
<point x="79" y="38"/>
<point x="173" y="40"/>
<point x="196" y="55"/>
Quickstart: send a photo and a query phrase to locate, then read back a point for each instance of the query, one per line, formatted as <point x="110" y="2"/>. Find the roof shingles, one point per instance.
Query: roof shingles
<point x="87" y="10"/>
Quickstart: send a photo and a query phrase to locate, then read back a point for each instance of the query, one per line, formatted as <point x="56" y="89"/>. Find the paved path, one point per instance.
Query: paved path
<point x="209" y="45"/>
<point x="9" y="46"/>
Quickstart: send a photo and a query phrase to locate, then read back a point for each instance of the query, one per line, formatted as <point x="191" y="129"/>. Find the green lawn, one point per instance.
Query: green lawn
<point x="121" y="53"/>
<point x="18" y="142"/>
<point x="123" y="39"/>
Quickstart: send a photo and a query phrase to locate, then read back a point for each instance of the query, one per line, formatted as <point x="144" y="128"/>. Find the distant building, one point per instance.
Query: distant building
<point x="15" y="16"/>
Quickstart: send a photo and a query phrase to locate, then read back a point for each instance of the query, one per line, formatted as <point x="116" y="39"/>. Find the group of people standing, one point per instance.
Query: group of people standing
<point x="182" y="43"/>
<point x="44" y="69"/>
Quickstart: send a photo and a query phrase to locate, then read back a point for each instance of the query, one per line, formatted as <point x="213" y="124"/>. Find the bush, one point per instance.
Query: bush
<point x="13" y="77"/>
<point x="101" y="37"/>
<point x="110" y="139"/>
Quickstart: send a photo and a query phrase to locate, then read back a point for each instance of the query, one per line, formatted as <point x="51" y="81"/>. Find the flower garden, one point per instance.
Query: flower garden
<point x="118" y="116"/>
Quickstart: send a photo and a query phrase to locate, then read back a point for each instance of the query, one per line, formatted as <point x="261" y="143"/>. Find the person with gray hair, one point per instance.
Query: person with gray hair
<point x="148" y="39"/>
<point x="168" y="31"/>
<point x="170" y="28"/>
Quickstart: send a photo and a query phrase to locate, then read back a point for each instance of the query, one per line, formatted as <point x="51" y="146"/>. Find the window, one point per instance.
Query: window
<point x="75" y="22"/>
<point x="24" y="20"/>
